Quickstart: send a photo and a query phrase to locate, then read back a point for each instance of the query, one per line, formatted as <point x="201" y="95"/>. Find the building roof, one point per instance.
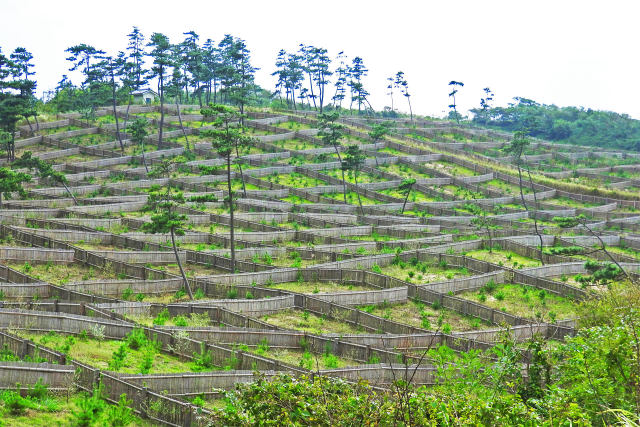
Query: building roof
<point x="143" y="91"/>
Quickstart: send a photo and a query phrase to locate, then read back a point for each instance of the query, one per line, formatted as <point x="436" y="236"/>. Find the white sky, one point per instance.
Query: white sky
<point x="566" y="52"/>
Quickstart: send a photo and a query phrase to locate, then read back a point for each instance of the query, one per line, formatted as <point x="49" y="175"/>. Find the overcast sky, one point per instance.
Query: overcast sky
<point x="582" y="53"/>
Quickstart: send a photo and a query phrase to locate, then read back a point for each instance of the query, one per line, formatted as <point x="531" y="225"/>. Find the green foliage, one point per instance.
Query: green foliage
<point x="575" y="125"/>
<point x="127" y="293"/>
<point x="569" y="221"/>
<point x="117" y="358"/>
<point x="601" y="273"/>
<point x="136" y="339"/>
<point x="11" y="181"/>
<point x="232" y="293"/>
<point x="120" y="415"/>
<point x="202" y="198"/>
<point x="379" y="131"/>
<point x="164" y="218"/>
<point x="199" y="294"/>
<point x="161" y="318"/>
<point x="203" y="360"/>
<point x="138" y="130"/>
<point x="90" y="409"/>
<point x="14" y="403"/>
<point x="563" y="250"/>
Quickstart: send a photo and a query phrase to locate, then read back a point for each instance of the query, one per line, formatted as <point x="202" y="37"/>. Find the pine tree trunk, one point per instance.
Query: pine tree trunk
<point x="126" y="116"/>
<point x="29" y="123"/>
<point x="161" y="112"/>
<point x="115" y="113"/>
<point x="535" y="215"/>
<point x="184" y="132"/>
<point x="184" y="276"/>
<point x="405" y="200"/>
<point x="355" y="174"/>
<point x="231" y="225"/>
<point x="75" y="201"/>
<point x="344" y="185"/>
<point x="144" y="159"/>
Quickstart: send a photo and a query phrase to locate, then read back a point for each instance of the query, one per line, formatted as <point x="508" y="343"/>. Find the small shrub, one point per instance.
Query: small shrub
<point x="97" y="331"/>
<point x="306" y="361"/>
<point x="330" y="361"/>
<point x="26" y="268"/>
<point x="120" y="415"/>
<point x="14" y="403"/>
<point x="90" y="408"/>
<point x="180" y="321"/>
<point x="232" y="293"/>
<point x="149" y="353"/>
<point x="117" y="358"/>
<point x="263" y="347"/>
<point x="203" y="360"/>
<point x="136" y="339"/>
<point x="162" y="317"/>
<point x="38" y="391"/>
<point x="180" y="293"/>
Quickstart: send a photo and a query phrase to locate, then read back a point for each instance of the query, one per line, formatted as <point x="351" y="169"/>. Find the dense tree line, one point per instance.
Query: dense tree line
<point x="574" y="125"/>
<point x="187" y="71"/>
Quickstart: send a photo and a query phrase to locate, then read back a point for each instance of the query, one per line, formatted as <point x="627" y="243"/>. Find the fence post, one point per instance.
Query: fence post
<point x="186" y="422"/>
<point x="144" y="402"/>
<point x="96" y="378"/>
<point x="25" y="349"/>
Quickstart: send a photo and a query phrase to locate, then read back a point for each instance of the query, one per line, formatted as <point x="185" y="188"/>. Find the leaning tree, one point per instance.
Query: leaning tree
<point x="165" y="218"/>
<point x="44" y="170"/>
<point x="405" y="188"/>
<point x="226" y="136"/>
<point x="516" y="148"/>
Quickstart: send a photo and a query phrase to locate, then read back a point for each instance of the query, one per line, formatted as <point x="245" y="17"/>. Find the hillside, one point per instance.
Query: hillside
<point x="351" y="251"/>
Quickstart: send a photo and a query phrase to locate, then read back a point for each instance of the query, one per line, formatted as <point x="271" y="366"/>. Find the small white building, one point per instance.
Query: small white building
<point x="144" y="96"/>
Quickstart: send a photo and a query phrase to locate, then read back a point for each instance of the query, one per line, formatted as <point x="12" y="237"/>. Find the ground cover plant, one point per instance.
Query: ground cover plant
<point x="420" y="272"/>
<point x="303" y="320"/>
<point x="134" y="354"/>
<point x="524" y="301"/>
<point x="420" y="315"/>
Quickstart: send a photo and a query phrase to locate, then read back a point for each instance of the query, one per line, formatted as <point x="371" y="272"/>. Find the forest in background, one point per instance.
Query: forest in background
<point x="574" y="125"/>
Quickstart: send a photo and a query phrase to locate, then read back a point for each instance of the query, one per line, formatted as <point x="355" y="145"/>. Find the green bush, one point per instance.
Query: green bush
<point x="136" y="339"/>
<point x="89" y="409"/>
<point x="120" y="415"/>
<point x="162" y="317"/>
<point x="180" y="321"/>
<point x="14" y="403"/>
